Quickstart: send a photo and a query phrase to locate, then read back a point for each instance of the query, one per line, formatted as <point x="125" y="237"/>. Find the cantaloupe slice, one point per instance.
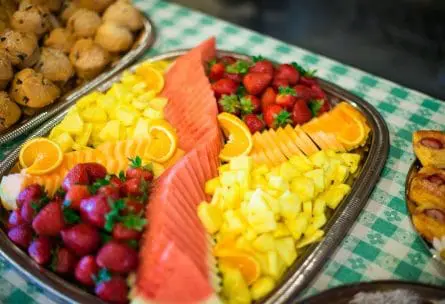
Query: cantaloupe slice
<point x="285" y="138"/>
<point x="281" y="145"/>
<point x="310" y="147"/>
<point x="277" y="154"/>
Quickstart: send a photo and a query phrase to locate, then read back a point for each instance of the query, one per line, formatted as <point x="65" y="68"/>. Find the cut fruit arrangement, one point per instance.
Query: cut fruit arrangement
<point x="232" y="204"/>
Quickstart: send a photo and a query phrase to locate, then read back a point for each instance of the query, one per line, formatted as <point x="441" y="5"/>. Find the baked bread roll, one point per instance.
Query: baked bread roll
<point x="9" y="111"/>
<point x="124" y="14"/>
<point x="54" y="65"/>
<point x="84" y="23"/>
<point x="114" y="38"/>
<point x="6" y="71"/>
<point x="20" y="48"/>
<point x="88" y="58"/>
<point x="61" y="39"/>
<point x="429" y="147"/>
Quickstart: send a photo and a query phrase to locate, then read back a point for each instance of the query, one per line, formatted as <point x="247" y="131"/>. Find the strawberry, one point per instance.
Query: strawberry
<point x="238" y="78"/>
<point x="230" y="104"/>
<point x="122" y="233"/>
<point x="286" y="98"/>
<point x="256" y="83"/>
<point x="30" y="209"/>
<point x="275" y="116"/>
<point x="76" y="176"/>
<point x="224" y="86"/>
<point x="303" y="92"/>
<point x="109" y="191"/>
<point x="319" y="106"/>
<point x="117" y="182"/>
<point x="268" y="97"/>
<point x="133" y="206"/>
<point x="137" y="170"/>
<point x="94" y="209"/>
<point x="308" y="81"/>
<point x="81" y="238"/>
<point x="75" y="195"/>
<point x="64" y="261"/>
<point x="31" y="193"/>
<point x="301" y="112"/>
<point x="227" y="60"/>
<point x="254" y="123"/>
<point x="117" y="257"/>
<point x="287" y="72"/>
<point x="216" y="71"/>
<point x="95" y="171"/>
<point x="86" y="269"/>
<point x="250" y="104"/>
<point x="133" y="187"/>
<point x="21" y="235"/>
<point x="40" y="250"/>
<point x="15" y="219"/>
<point x="113" y="290"/>
<point x="317" y="92"/>
<point x="306" y="76"/>
<point x="277" y="83"/>
<point x="262" y="66"/>
<point x="49" y="221"/>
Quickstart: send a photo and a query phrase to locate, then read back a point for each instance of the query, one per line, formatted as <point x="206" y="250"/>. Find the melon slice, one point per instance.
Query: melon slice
<point x="309" y="146"/>
<point x="285" y="138"/>
<point x="277" y="154"/>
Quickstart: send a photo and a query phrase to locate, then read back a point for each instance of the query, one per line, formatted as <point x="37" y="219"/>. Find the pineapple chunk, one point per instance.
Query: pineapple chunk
<point x="316" y="236"/>
<point x="304" y="187"/>
<point x="232" y="197"/>
<point x="56" y="132"/>
<point x="72" y="123"/>
<point x="281" y="231"/>
<point x="264" y="242"/>
<point x="319" y="207"/>
<point x="298" y="225"/>
<point x="341" y="175"/>
<point x="94" y="114"/>
<point x="262" y="221"/>
<point x="307" y="208"/>
<point x="88" y="100"/>
<point x="288" y="172"/>
<point x="261" y="170"/>
<point x="211" y="185"/>
<point x="235" y="222"/>
<point x="263" y="260"/>
<point x="153" y="114"/>
<point x="290" y="205"/>
<point x="241" y="163"/>
<point x="234" y="287"/>
<point x="286" y="250"/>
<point x="217" y="199"/>
<point x="111" y="132"/>
<point x="142" y="128"/>
<point x="262" y="287"/>
<point x="108" y="103"/>
<point x="250" y="234"/>
<point x="83" y="138"/>
<point x="158" y="169"/>
<point x="276" y="265"/>
<point x="257" y="203"/>
<point x="334" y="195"/>
<point x="244" y="244"/>
<point x="319" y="159"/>
<point x="351" y="160"/>
<point x="127" y="115"/>
<point x="272" y="202"/>
<point x="223" y="168"/>
<point x="317" y="222"/>
<point x="317" y="176"/>
<point x="244" y="180"/>
<point x="331" y="171"/>
<point x="229" y="178"/>
<point x="278" y="183"/>
<point x="259" y="181"/>
<point x="65" y="142"/>
<point x="158" y="103"/>
<point x="301" y="162"/>
<point x="210" y="216"/>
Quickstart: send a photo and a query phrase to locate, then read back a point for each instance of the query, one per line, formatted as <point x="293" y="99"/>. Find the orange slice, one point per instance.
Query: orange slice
<point x="40" y="156"/>
<point x="152" y="77"/>
<point x="244" y="262"/>
<point x="353" y="134"/>
<point x="239" y="139"/>
<point x="163" y="141"/>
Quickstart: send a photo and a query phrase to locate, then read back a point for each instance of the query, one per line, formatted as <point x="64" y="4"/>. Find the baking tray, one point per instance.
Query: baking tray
<point x="307" y="265"/>
<point x="144" y="41"/>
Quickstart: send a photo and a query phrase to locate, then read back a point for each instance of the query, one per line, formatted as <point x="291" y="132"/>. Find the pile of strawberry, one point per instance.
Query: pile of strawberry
<point x="263" y="94"/>
<point x="89" y="231"/>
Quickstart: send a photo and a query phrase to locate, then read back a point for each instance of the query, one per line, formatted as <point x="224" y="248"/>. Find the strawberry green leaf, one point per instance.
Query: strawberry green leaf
<point x="99" y="184"/>
<point x="303" y="71"/>
<point x="257" y="58"/>
<point x="102" y="276"/>
<point x="122" y="176"/>
<point x="282" y="119"/>
<point x="286" y="91"/>
<point x="241" y="91"/>
<point x="105" y="237"/>
<point x="112" y="217"/>
<point x="239" y="67"/>
<point x="315" y="106"/>
<point x="133" y="221"/>
<point x="133" y="244"/>
<point x="211" y="63"/>
<point x="135" y="162"/>
<point x="70" y="216"/>
<point x="246" y="106"/>
<point x="230" y="103"/>
<point x="148" y="167"/>
<point x="60" y="192"/>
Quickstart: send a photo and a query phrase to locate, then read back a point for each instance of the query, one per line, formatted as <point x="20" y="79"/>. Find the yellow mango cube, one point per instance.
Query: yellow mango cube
<point x="211" y="217"/>
<point x="307" y="240"/>
<point x="264" y="242"/>
<point x="304" y="187"/>
<point x="262" y="287"/>
<point x="286" y="250"/>
<point x="211" y="185"/>
<point x="65" y="141"/>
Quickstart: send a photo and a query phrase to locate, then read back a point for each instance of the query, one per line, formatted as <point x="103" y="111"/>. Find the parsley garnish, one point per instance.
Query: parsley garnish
<point x="102" y="276"/>
<point x="113" y="216"/>
<point x="239" y="67"/>
<point x="257" y="58"/>
<point x="133" y="221"/>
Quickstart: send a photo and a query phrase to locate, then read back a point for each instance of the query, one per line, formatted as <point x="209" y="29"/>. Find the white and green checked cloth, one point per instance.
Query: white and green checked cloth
<point x="381" y="244"/>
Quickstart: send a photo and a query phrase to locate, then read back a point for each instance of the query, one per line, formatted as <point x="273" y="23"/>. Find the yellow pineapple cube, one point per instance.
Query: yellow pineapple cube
<point x="83" y="138"/>
<point x="232" y="197"/>
<point x="217" y="199"/>
<point x="298" y="225"/>
<point x="158" y="169"/>
<point x="244" y="244"/>
<point x="65" y="142"/>
<point x="319" y="159"/>
<point x="260" y="170"/>
<point x="229" y="178"/>
<point x="317" y="176"/>
<point x="263" y="260"/>
<point x="211" y="217"/>
<point x="288" y="171"/>
<point x="153" y="114"/>
<point x="56" y="132"/>
<point x="315" y="237"/>
<point x="281" y="231"/>
<point x="250" y="234"/>
<point x="234" y="287"/>
<point x="88" y="100"/>
<point x="272" y="202"/>
<point x="111" y="131"/>
<point x="341" y="175"/>
<point x="264" y="242"/>
<point x="235" y="222"/>
<point x="286" y="250"/>
<point x="94" y="114"/>
<point x="319" y="207"/>
<point x="352" y="160"/>
<point x="211" y="185"/>
<point x="278" y="183"/>
<point x="290" y="205"/>
<point x="276" y="265"/>
<point x="301" y="163"/>
<point x="223" y="168"/>
<point x="72" y="123"/>
<point x="304" y="187"/>
<point x="142" y="128"/>
<point x="307" y="208"/>
<point x="259" y="182"/>
<point x="127" y="115"/>
<point x="241" y="163"/>
<point x="331" y="171"/>
<point x="158" y="103"/>
<point x="262" y="287"/>
<point x="263" y="221"/>
<point x="317" y="222"/>
<point x="335" y="194"/>
<point x="244" y="180"/>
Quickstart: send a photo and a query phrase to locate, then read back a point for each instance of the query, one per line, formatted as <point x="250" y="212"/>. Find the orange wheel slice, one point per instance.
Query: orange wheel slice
<point x="152" y="77"/>
<point x="40" y="156"/>
<point x="244" y="262"/>
<point x="239" y="139"/>
<point x="163" y="141"/>
<point x="353" y="134"/>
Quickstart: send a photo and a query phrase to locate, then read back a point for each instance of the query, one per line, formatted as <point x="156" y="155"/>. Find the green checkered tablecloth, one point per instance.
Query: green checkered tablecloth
<point x="381" y="244"/>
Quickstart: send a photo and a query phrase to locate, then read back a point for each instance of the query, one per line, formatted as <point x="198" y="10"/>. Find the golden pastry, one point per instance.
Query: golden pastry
<point x="429" y="147"/>
<point x="34" y="19"/>
<point x="6" y="72"/>
<point x="54" y="65"/>
<point x="430" y="224"/>
<point x="123" y="13"/>
<point x="84" y="23"/>
<point x="95" y="5"/>
<point x="88" y="58"/>
<point x="61" y="39"/>
<point x="21" y="48"/>
<point x="9" y="111"/>
<point x="427" y="188"/>
<point x="113" y="37"/>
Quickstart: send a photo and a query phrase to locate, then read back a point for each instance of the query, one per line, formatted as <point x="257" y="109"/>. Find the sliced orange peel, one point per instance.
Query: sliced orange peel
<point x="40" y="156"/>
<point x="239" y="139"/>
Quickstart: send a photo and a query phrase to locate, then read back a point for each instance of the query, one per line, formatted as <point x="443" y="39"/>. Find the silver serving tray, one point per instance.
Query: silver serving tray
<point x="144" y="41"/>
<point x="307" y="265"/>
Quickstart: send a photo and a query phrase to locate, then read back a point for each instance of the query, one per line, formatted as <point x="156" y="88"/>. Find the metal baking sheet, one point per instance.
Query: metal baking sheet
<point x="144" y="41"/>
<point x="303" y="271"/>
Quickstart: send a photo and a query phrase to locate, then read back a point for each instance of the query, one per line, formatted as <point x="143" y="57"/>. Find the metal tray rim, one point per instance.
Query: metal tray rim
<point x="301" y="274"/>
<point x="146" y="40"/>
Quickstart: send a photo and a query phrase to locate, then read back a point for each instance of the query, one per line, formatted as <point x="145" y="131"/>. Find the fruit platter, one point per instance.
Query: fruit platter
<point x="425" y="190"/>
<point x="196" y="176"/>
<point x="51" y="54"/>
